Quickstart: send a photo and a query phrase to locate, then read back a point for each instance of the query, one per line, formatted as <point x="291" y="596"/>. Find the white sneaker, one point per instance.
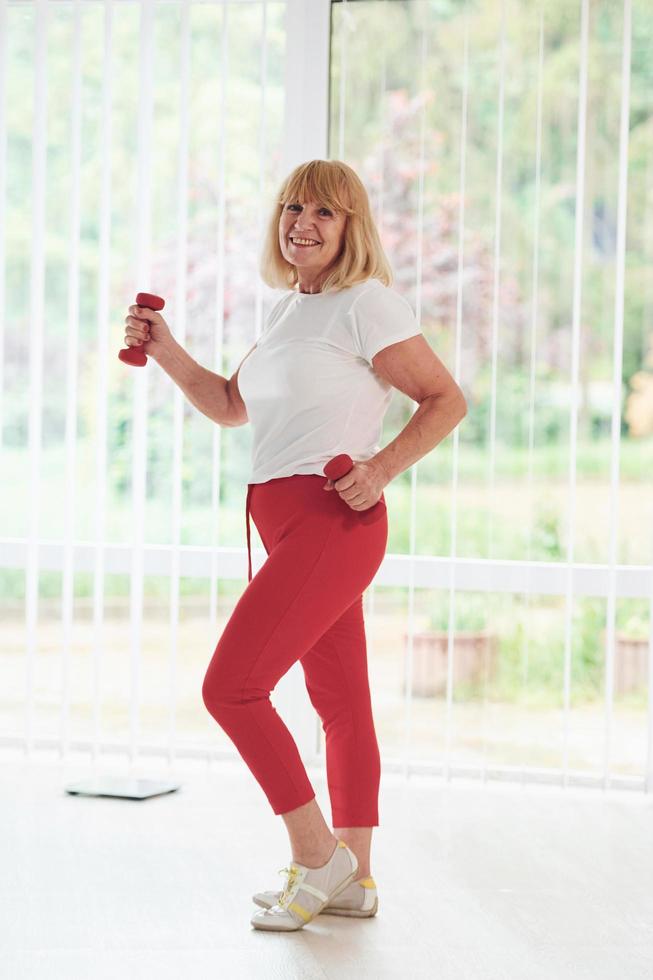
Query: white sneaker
<point x="308" y="891"/>
<point x="359" y="899"/>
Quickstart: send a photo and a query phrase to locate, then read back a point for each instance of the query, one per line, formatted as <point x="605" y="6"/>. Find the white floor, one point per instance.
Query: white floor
<point x="475" y="883"/>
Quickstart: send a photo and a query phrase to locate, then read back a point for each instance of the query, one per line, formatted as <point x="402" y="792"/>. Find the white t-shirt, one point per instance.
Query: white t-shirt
<point x="309" y="387"/>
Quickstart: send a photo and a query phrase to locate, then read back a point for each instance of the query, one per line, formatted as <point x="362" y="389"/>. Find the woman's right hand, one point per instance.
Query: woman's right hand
<point x="148" y="329"/>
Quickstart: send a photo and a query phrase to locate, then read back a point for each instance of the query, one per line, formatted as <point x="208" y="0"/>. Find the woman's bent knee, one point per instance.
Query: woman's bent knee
<point x="221" y="696"/>
<point x="218" y="698"/>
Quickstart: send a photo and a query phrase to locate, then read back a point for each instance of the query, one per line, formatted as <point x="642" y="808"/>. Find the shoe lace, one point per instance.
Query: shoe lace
<point x="292" y="873"/>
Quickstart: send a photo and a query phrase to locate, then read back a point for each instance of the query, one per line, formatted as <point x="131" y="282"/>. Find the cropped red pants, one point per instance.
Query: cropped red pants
<point x="305" y="603"/>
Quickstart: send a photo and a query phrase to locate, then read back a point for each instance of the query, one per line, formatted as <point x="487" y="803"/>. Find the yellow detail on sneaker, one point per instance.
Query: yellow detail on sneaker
<point x="293" y="873"/>
<point x="301" y="912"/>
<point x="367" y="882"/>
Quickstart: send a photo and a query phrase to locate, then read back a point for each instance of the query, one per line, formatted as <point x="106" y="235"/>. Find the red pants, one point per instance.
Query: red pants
<point x="305" y="603"/>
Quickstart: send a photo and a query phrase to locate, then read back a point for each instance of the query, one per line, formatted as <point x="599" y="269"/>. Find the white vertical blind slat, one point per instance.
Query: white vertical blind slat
<point x="495" y="329"/>
<point x="36" y="313"/>
<point x="105" y="351"/>
<point x="142" y="229"/>
<point x="617" y="367"/>
<point x="216" y="442"/>
<point x="533" y="363"/>
<point x="72" y="344"/>
<point x="496" y="278"/>
<point x="180" y="331"/>
<point x="573" y="408"/>
<point x="262" y="155"/>
<point x="412" y="532"/>
<point x="457" y="376"/>
<point x="342" y="103"/>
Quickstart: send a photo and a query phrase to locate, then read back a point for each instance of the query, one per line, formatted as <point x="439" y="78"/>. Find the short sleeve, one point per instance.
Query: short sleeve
<point x="380" y="317"/>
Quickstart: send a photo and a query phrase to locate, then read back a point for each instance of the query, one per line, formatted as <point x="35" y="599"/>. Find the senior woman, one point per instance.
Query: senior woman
<point x="316" y="384"/>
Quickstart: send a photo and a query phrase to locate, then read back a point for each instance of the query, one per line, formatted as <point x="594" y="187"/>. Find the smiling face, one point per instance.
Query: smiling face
<point x="317" y="223"/>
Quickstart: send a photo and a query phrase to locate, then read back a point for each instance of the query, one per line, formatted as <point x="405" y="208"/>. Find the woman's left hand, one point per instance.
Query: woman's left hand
<point x="362" y="487"/>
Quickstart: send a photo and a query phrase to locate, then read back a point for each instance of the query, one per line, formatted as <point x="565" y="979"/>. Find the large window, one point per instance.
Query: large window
<point x="507" y="150"/>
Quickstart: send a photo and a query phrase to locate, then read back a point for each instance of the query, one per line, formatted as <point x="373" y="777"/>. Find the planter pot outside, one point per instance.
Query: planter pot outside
<point x="475" y="657"/>
<point x="630" y="662"/>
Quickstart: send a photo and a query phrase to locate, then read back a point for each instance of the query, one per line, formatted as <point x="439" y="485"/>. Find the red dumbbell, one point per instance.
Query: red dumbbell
<point x="136" y="356"/>
<point x="338" y="466"/>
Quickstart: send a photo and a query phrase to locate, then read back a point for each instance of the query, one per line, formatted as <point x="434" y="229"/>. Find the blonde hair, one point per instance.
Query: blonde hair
<point x="332" y="184"/>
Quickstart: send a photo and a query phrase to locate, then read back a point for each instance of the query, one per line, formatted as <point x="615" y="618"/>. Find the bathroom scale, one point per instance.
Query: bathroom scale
<point x="125" y="787"/>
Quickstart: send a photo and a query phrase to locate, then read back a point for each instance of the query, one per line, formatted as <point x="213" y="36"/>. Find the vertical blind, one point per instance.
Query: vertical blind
<point x="141" y="146"/>
<point x="514" y="53"/>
